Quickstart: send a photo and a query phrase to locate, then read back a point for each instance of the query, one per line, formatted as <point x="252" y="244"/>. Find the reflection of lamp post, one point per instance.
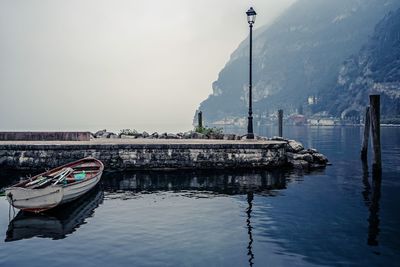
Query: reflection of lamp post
<point x="251" y="19"/>
<point x="250" y="197"/>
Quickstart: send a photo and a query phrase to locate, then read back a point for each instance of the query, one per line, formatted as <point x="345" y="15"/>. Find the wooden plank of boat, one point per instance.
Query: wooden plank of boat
<point x="57" y="186"/>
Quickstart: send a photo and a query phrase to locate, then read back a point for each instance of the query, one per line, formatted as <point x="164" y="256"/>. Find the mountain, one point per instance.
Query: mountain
<point x="297" y="56"/>
<point x="375" y="69"/>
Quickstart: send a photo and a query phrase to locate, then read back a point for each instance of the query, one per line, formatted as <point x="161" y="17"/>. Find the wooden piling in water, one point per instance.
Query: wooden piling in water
<point x="376" y="131"/>
<point x="367" y="125"/>
<point x="280" y="122"/>
<point x="200" y="119"/>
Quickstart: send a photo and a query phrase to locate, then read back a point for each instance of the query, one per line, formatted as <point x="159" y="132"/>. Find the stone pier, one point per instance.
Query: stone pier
<point x="151" y="154"/>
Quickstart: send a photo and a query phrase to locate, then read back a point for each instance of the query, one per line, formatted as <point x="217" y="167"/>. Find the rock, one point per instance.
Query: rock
<point x="238" y="137"/>
<point x="215" y="136"/>
<point x="278" y="138"/>
<point x="308" y="151"/>
<point x="308" y="157"/>
<point x="124" y="136"/>
<point x="290" y="155"/>
<point x="312" y="150"/>
<point x="294" y="156"/>
<point x="187" y="135"/>
<point x="261" y="138"/>
<point x="299" y="164"/>
<point x="155" y="135"/>
<point x="139" y="135"/>
<point x="100" y="133"/>
<point x="229" y="137"/>
<point x="319" y="158"/>
<point x="105" y="135"/>
<point x="163" y="136"/>
<point x="305" y="157"/>
<point x="294" y="146"/>
<point x="311" y="156"/>
<point x="113" y="136"/>
<point x="145" y="135"/>
<point x="196" y="135"/>
<point x="172" y="136"/>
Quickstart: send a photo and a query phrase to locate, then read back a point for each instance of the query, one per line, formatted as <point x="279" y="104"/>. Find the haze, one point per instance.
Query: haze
<point x="94" y="64"/>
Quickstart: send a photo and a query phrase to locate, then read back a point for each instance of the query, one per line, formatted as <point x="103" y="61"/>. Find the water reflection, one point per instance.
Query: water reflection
<point x="374" y="210"/>
<point x="262" y="183"/>
<point x="250" y="197"/>
<point x="59" y="223"/>
<point x="367" y="187"/>
<point x="56" y="224"/>
<point x="372" y="200"/>
<point x="230" y="183"/>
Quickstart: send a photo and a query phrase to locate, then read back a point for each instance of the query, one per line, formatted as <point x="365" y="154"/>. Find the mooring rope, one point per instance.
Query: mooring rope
<point x="11" y="204"/>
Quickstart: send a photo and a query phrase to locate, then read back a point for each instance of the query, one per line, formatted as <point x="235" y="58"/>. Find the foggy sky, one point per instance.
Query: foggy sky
<point x="91" y="64"/>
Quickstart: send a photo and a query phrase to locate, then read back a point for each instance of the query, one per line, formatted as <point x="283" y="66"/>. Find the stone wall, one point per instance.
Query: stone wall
<point x="45" y="136"/>
<point x="146" y="156"/>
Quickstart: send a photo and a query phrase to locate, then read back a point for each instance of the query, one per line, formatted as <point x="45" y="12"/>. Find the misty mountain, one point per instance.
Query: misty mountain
<point x="375" y="69"/>
<point x="297" y="56"/>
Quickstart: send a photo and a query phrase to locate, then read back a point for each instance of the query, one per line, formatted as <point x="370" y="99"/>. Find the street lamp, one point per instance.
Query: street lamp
<point x="251" y="19"/>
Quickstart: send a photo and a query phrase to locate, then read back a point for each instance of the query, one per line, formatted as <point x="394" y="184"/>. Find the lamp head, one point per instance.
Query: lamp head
<point x="251" y="16"/>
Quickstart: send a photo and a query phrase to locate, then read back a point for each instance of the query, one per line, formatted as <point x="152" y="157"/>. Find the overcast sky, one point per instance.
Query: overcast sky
<point x="91" y="64"/>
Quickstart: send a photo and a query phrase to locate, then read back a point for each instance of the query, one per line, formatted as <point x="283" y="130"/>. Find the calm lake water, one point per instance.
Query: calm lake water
<point x="338" y="216"/>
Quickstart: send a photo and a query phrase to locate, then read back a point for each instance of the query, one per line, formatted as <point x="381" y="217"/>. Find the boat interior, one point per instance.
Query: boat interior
<point x="64" y="175"/>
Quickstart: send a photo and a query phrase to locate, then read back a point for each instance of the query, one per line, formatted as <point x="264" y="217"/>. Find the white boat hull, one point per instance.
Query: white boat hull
<point x="42" y="199"/>
<point x="31" y="199"/>
<point x="74" y="191"/>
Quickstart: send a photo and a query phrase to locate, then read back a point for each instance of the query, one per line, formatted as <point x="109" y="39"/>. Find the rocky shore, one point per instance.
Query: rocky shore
<point x="300" y="158"/>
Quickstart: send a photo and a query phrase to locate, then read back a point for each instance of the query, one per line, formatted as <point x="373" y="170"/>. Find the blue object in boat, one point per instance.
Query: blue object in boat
<point x="80" y="176"/>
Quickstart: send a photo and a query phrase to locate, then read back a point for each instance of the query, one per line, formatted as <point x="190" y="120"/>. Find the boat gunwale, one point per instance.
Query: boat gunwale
<point x="21" y="184"/>
<point x="55" y="189"/>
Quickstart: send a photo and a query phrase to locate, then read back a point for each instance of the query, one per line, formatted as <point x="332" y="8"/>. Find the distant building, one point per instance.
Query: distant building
<point x="322" y="122"/>
<point x="297" y="119"/>
<point x="312" y="100"/>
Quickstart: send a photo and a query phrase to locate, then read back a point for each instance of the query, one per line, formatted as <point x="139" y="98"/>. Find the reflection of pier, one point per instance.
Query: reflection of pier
<point x="55" y="224"/>
<point x="231" y="183"/>
<point x="224" y="183"/>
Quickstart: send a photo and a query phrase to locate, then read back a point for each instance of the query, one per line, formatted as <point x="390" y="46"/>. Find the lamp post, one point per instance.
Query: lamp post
<point x="251" y="19"/>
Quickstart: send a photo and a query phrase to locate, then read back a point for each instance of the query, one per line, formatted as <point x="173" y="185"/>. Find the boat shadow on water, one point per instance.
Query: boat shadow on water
<point x="56" y="223"/>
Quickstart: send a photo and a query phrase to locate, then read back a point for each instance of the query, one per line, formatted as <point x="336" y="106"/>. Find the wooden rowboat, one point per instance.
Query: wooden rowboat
<point x="56" y="223"/>
<point x="55" y="187"/>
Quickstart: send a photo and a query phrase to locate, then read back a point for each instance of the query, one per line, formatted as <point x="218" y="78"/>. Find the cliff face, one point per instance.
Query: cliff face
<point x="375" y="69"/>
<point x="298" y="56"/>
